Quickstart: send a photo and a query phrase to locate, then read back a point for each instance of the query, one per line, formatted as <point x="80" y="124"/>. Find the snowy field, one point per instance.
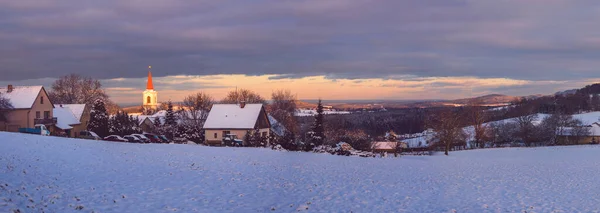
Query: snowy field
<point x="69" y="175"/>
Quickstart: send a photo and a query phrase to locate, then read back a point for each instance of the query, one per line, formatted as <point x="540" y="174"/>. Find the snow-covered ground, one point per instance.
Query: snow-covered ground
<point x="64" y="175"/>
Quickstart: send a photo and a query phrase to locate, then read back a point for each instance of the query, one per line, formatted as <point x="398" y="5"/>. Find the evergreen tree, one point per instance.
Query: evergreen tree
<point x="158" y="126"/>
<point x="135" y="124"/>
<point x="170" y="117"/>
<point x="318" y="136"/>
<point x="157" y="123"/>
<point x="170" y="122"/>
<point x="121" y="124"/>
<point x="99" y="119"/>
<point x="249" y="138"/>
<point x="113" y="124"/>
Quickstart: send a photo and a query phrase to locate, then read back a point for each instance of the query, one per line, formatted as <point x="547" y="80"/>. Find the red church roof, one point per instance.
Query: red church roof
<point x="149" y="85"/>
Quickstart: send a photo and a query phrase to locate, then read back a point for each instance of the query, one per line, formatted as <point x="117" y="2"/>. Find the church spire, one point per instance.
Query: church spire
<point x="149" y="85"/>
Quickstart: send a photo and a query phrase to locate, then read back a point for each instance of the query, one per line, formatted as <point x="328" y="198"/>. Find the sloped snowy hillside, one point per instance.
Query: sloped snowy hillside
<point x="69" y="175"/>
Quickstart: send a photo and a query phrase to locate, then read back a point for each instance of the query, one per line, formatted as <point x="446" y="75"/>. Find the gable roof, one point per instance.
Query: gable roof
<point x="232" y="116"/>
<point x="384" y="145"/>
<point x="22" y="97"/>
<point x="64" y="118"/>
<point x="76" y="109"/>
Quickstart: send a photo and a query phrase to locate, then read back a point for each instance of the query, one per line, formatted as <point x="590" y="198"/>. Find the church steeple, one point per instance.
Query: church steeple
<point x="150" y="96"/>
<point x="149" y="85"/>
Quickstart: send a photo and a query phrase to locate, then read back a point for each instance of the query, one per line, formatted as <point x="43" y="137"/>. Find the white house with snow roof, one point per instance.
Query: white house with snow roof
<point x="31" y="106"/>
<point x="72" y="118"/>
<point x="235" y="120"/>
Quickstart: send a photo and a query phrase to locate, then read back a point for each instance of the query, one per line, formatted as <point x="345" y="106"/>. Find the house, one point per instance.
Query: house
<point x="568" y="135"/>
<point x="71" y="118"/>
<point x="31" y="106"/>
<point x="387" y="146"/>
<point x="235" y="119"/>
<point x="146" y="123"/>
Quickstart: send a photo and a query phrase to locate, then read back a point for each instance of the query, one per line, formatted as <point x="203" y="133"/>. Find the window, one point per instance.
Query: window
<point x="42" y="100"/>
<point x="46" y="114"/>
<point x="216" y="135"/>
<point x="148" y="100"/>
<point x="264" y="134"/>
<point x="37" y="114"/>
<point x="226" y="133"/>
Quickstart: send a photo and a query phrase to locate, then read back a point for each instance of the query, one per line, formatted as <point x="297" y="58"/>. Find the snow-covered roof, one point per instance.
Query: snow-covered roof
<point x="64" y="118"/>
<point x="232" y="116"/>
<point x="417" y="142"/>
<point x="142" y="118"/>
<point x="22" y="97"/>
<point x="594" y="131"/>
<point x="277" y="127"/>
<point x="76" y="109"/>
<point x="384" y="145"/>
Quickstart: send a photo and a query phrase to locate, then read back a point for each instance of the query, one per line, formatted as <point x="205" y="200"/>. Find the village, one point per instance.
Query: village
<point x="245" y="119"/>
<point x="240" y="121"/>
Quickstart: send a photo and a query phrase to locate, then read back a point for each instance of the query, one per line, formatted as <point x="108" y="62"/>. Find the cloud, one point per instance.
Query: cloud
<point x="523" y="41"/>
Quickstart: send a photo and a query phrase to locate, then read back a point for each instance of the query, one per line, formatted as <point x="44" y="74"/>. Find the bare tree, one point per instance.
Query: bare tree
<point x="477" y="117"/>
<point x="283" y="108"/>
<point x="526" y="130"/>
<point x="197" y="107"/>
<point x="5" y="105"/>
<point x="501" y="133"/>
<point x="76" y="89"/>
<point x="579" y="131"/>
<point x="111" y="107"/>
<point x="595" y="102"/>
<point x="555" y="125"/>
<point x="250" y="97"/>
<point x="448" y="129"/>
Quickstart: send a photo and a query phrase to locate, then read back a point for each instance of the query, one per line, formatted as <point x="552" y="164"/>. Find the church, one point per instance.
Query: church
<point x="150" y="96"/>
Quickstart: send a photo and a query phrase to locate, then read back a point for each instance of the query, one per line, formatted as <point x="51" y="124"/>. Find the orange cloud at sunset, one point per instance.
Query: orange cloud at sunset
<point x="175" y="88"/>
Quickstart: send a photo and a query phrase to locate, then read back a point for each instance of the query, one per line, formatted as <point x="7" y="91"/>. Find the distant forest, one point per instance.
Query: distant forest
<point x="374" y="125"/>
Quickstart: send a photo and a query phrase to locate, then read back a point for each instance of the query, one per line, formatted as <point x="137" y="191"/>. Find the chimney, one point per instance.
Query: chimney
<point x="242" y="104"/>
<point x="10" y="88"/>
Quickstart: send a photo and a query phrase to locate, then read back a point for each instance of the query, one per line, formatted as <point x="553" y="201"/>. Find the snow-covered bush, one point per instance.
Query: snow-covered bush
<point x="278" y="148"/>
<point x="288" y="141"/>
<point x="190" y="132"/>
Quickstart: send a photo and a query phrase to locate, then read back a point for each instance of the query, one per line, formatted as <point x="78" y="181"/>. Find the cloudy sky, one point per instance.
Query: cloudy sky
<point x="333" y="49"/>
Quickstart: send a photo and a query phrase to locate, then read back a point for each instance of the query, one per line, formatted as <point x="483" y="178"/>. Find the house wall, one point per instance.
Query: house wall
<point x="147" y="125"/>
<point x="85" y="120"/>
<point x="38" y="106"/>
<point x="569" y="140"/>
<point x="16" y="119"/>
<point x="210" y="139"/>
